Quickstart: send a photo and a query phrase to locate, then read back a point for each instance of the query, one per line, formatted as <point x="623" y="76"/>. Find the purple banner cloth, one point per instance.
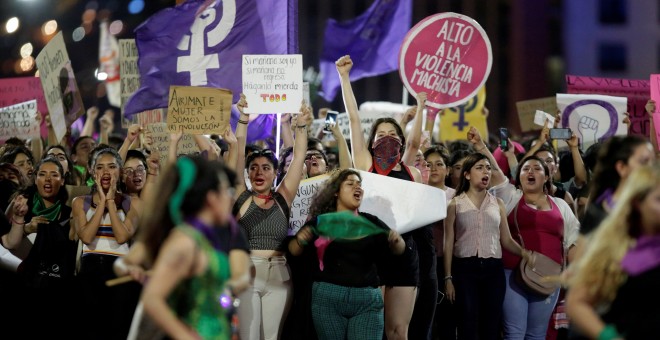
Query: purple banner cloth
<point x="373" y="40"/>
<point x="645" y="255"/>
<point x="178" y="47"/>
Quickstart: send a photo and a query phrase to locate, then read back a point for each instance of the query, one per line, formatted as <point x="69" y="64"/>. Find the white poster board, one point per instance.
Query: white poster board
<point x="129" y="74"/>
<point x="50" y="61"/>
<point x="19" y="120"/>
<point x="273" y="83"/>
<point x="402" y="205"/>
<point x="593" y="117"/>
<point x="303" y="200"/>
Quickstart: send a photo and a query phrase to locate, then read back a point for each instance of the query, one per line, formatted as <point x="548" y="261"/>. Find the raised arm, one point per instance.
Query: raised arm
<point x="345" y="160"/>
<point x="232" y="154"/>
<point x="204" y="145"/>
<point x="543" y="137"/>
<point x="580" y="170"/>
<point x="241" y="137"/>
<point x="133" y="131"/>
<point x="107" y="125"/>
<point x="289" y="186"/>
<point x="414" y="140"/>
<point x="361" y="156"/>
<point x="287" y="134"/>
<point x="153" y="170"/>
<point x="172" y="149"/>
<point x="88" y="128"/>
<point x="479" y="146"/>
<point x="123" y="230"/>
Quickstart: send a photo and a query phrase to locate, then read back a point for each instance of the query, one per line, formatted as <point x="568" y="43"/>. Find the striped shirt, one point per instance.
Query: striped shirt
<point x="105" y="243"/>
<point x="477" y="230"/>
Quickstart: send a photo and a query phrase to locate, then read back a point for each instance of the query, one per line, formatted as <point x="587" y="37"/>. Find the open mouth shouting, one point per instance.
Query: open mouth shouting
<point x="258" y="181"/>
<point x="105" y="180"/>
<point x="485" y="180"/>
<point x="48" y="188"/>
<point x="357" y="195"/>
<point x="137" y="181"/>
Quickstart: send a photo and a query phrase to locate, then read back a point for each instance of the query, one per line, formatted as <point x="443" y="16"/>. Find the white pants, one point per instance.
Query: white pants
<point x="265" y="304"/>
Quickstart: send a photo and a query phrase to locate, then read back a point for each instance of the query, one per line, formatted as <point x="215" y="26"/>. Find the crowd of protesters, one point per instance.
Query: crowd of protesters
<point x="205" y="245"/>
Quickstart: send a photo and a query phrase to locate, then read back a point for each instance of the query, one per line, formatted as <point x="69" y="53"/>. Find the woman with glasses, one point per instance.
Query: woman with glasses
<point x="263" y="213"/>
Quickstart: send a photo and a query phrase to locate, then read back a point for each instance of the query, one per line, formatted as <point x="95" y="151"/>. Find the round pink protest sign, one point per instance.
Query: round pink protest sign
<point x="448" y="56"/>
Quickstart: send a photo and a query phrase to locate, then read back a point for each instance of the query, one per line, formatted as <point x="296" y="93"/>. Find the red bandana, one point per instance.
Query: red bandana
<point x="387" y="154"/>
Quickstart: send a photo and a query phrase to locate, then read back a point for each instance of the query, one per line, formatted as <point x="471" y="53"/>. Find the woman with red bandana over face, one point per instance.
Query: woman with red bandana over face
<point x="382" y="154"/>
<point x="263" y="213"/>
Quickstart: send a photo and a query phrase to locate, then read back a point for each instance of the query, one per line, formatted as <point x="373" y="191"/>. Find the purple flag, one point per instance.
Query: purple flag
<point x="178" y="46"/>
<point x="372" y="40"/>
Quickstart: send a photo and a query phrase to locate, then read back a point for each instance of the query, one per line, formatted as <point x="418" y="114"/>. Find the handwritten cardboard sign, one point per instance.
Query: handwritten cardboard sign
<point x="455" y="122"/>
<point x="527" y="111"/>
<point x="402" y="205"/>
<point x="303" y="200"/>
<point x="273" y="83"/>
<point x="448" y="56"/>
<point x="18" y="90"/>
<point x="636" y="90"/>
<point x="199" y="110"/>
<point x="129" y="74"/>
<point x="19" y="120"/>
<point x="59" y="85"/>
<point x="160" y="141"/>
<point x="592" y="117"/>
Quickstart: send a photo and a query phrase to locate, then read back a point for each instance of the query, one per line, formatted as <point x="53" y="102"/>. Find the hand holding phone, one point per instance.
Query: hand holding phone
<point x="561" y="133"/>
<point x="330" y="121"/>
<point x="504" y="139"/>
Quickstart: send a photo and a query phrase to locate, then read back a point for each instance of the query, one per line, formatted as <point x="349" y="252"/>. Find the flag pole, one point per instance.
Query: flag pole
<point x="277" y="135"/>
<point x="404" y="96"/>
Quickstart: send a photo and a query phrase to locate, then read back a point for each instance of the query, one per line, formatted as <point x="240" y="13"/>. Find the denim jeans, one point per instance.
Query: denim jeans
<point x="526" y="315"/>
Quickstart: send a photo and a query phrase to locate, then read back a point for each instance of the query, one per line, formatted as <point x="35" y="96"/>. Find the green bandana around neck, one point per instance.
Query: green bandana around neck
<point x="39" y="208"/>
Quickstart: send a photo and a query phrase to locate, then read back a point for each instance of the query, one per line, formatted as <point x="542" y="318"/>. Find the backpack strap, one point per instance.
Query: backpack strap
<point x="281" y="201"/>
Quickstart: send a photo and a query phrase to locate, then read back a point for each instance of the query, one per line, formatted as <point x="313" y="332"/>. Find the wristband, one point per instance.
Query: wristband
<point x="609" y="333"/>
<point x="152" y="174"/>
<point x="301" y="244"/>
<point x="301" y="127"/>
<point x="448" y="277"/>
<point x="16" y="222"/>
<point x="243" y="121"/>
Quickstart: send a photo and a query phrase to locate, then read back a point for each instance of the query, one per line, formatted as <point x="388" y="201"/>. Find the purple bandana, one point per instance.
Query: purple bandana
<point x="643" y="256"/>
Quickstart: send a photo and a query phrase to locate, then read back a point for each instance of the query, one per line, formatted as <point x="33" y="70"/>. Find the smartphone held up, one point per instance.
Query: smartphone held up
<point x="330" y="121"/>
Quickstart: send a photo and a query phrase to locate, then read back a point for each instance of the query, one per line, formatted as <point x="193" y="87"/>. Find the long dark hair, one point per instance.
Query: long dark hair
<point x="62" y="194"/>
<point x="397" y="127"/>
<point x="616" y="149"/>
<point x="468" y="164"/>
<point x="156" y="226"/>
<point x="325" y="200"/>
<point x="547" y="185"/>
<point x="71" y="175"/>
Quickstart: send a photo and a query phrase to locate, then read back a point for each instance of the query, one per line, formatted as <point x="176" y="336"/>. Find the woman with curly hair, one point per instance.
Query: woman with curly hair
<point x="620" y="269"/>
<point x="346" y="300"/>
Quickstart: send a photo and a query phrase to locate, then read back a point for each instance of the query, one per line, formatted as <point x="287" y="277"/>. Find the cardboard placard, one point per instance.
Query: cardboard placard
<point x="273" y="83"/>
<point x="160" y="141"/>
<point x="18" y="90"/>
<point x="19" y="120"/>
<point x="199" y="110"/>
<point x="655" y="95"/>
<point x="448" y="56"/>
<point x="59" y="85"/>
<point x="129" y="74"/>
<point x="527" y="110"/>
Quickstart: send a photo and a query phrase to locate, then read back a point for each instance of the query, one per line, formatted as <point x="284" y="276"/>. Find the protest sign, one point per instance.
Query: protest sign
<point x="59" y="85"/>
<point x="655" y="95"/>
<point x="18" y="90"/>
<point x="455" y="122"/>
<point x="542" y="118"/>
<point x="149" y="117"/>
<point x="303" y="200"/>
<point x="19" y="120"/>
<point x="402" y="205"/>
<point x="160" y="141"/>
<point x="636" y="90"/>
<point x="592" y="117"/>
<point x="527" y="111"/>
<point x="306" y="95"/>
<point x="129" y="74"/>
<point x="448" y="56"/>
<point x="273" y="83"/>
<point x="199" y="110"/>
